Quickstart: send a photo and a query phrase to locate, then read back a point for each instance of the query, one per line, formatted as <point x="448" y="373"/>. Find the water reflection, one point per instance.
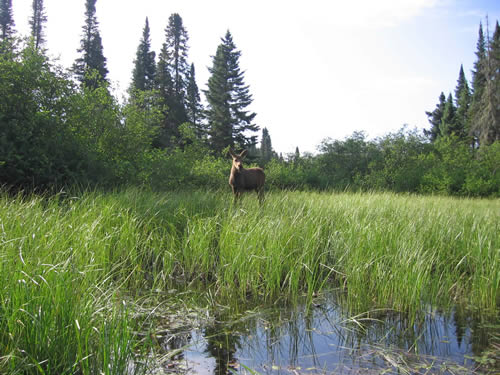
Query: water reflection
<point x="222" y="343"/>
<point x="323" y="340"/>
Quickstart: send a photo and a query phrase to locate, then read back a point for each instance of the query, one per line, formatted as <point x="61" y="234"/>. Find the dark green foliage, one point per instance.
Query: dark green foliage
<point x="399" y="162"/>
<point x="218" y="97"/>
<point x="343" y="163"/>
<point x="448" y="124"/>
<point x="403" y="162"/>
<point x="37" y="149"/>
<point x="172" y="78"/>
<point x="7" y="39"/>
<point x="478" y="85"/>
<point x="174" y="53"/>
<point x="266" y="147"/>
<point x="435" y="118"/>
<point x="305" y="173"/>
<point x="487" y="118"/>
<point x="54" y="134"/>
<point x="228" y="97"/>
<point x="451" y="161"/>
<point x="37" y="22"/>
<point x="473" y="115"/>
<point x="194" y="108"/>
<point x="143" y="75"/>
<point x="92" y="57"/>
<point x="461" y="84"/>
<point x="296" y="156"/>
<point x="6" y="20"/>
<point x="463" y="100"/>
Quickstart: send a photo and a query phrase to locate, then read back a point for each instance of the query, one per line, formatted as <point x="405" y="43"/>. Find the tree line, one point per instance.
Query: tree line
<point x="63" y="127"/>
<point x="473" y="113"/>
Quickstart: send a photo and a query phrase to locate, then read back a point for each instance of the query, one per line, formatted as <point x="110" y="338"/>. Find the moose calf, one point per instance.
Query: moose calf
<point x="242" y="179"/>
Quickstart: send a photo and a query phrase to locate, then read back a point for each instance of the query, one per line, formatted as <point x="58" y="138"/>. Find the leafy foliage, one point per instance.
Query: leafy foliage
<point x="37" y="149"/>
<point x="54" y="133"/>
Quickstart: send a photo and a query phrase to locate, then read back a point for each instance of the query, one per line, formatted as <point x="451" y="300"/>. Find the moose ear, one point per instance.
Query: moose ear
<point x="231" y="153"/>
<point x="243" y="153"/>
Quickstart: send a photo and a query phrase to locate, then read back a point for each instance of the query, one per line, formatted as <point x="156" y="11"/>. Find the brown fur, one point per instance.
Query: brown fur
<point x="242" y="179"/>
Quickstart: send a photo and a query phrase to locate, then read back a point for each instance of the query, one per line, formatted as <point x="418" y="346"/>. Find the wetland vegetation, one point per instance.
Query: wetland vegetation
<point x="82" y="275"/>
<point x="152" y="267"/>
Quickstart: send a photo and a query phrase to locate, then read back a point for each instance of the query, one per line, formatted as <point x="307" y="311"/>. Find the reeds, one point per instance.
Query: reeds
<point x="68" y="263"/>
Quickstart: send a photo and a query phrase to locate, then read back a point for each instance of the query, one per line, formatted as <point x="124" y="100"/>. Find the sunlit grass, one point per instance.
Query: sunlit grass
<point x="67" y="263"/>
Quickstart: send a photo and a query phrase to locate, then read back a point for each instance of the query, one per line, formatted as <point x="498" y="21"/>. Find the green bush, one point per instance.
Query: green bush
<point x="37" y="149"/>
<point x="483" y="178"/>
<point x="450" y="163"/>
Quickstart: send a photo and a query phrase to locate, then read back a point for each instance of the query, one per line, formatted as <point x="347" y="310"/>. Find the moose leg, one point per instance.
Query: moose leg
<point x="236" y="194"/>
<point x="260" y="194"/>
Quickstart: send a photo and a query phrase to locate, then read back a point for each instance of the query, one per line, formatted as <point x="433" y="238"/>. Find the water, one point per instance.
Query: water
<point x="325" y="341"/>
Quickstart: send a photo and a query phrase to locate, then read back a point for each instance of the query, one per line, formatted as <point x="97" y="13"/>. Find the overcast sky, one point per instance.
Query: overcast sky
<point x="316" y="69"/>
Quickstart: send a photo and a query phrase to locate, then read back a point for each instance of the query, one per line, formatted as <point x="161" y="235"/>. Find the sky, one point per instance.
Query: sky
<point x="317" y="69"/>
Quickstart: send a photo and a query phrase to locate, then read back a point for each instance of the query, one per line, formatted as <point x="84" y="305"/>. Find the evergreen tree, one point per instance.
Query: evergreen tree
<point x="143" y="75"/>
<point x="478" y="85"/>
<point x="194" y="108"/>
<point x="175" y="51"/>
<point x="228" y="97"/>
<point x="266" y="148"/>
<point x="6" y="21"/>
<point x="296" y="156"/>
<point x="37" y="23"/>
<point x="172" y="73"/>
<point x="435" y="118"/>
<point x="462" y="100"/>
<point x="486" y="122"/>
<point x="92" y="60"/>
<point x="218" y="98"/>
<point x="448" y="121"/>
<point x="461" y="84"/>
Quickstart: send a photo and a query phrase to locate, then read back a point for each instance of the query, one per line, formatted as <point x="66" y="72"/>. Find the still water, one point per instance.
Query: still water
<point x="323" y="340"/>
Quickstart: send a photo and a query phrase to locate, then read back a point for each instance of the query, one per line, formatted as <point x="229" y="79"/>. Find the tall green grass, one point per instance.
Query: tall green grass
<point x="67" y="263"/>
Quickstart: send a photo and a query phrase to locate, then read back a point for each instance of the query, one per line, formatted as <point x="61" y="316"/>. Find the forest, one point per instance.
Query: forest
<point x="63" y="126"/>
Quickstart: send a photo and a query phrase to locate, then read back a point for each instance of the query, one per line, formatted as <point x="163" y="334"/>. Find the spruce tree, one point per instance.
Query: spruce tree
<point x="448" y="121"/>
<point x="194" y="108"/>
<point x="266" y="148"/>
<point x="218" y="98"/>
<point x="494" y="134"/>
<point x="461" y="84"/>
<point x="296" y="156"/>
<point x="486" y="121"/>
<point x="6" y="21"/>
<point x="143" y="75"/>
<point x="174" y="52"/>
<point x="92" y="60"/>
<point x="478" y="85"/>
<point x="37" y="22"/>
<point x="435" y="118"/>
<point x="462" y="100"/>
<point x="228" y="97"/>
<point x="171" y="78"/>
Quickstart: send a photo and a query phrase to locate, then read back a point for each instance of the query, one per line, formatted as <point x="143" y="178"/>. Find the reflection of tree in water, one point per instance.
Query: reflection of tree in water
<point x="291" y="337"/>
<point x="223" y="340"/>
<point x="174" y="341"/>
